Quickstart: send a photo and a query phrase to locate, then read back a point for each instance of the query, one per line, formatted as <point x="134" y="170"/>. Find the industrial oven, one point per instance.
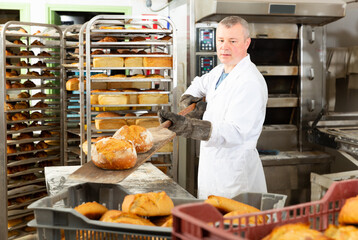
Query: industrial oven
<point x="288" y="46"/>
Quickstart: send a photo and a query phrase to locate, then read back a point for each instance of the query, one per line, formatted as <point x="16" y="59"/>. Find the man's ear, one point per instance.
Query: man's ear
<point x="247" y="43"/>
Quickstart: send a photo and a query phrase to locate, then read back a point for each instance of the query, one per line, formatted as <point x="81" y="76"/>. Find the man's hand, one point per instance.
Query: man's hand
<point x="186" y="127"/>
<point x="199" y="109"/>
<point x="187" y="99"/>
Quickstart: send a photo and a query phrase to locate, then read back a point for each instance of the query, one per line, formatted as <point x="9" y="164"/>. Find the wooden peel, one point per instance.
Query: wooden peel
<point x="89" y="172"/>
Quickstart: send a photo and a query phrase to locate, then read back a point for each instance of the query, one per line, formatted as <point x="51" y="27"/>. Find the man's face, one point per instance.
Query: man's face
<point x="231" y="45"/>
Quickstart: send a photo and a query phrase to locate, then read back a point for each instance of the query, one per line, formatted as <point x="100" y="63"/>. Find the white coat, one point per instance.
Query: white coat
<point x="229" y="162"/>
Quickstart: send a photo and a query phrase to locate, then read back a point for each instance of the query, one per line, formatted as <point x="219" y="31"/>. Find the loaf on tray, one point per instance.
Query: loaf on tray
<point x="114" y="154"/>
<point x="108" y="62"/>
<point x="109" y="123"/>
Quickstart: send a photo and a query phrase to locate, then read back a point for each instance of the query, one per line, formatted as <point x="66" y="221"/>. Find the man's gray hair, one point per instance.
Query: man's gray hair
<point x="233" y="20"/>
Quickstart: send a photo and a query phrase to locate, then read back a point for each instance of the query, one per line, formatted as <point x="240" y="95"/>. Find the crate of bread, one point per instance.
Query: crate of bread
<point x="335" y="216"/>
<point x="109" y="211"/>
<point x="104" y="211"/>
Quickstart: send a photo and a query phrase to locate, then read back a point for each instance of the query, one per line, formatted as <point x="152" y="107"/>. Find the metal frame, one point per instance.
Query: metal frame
<point x="3" y="91"/>
<point x="90" y="31"/>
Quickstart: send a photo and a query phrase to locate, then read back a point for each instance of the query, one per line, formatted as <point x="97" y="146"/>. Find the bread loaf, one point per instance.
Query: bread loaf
<point x="114" y="154"/>
<point x="130" y="121"/>
<point x="348" y="213"/>
<point x="296" y="231"/>
<point x="228" y="205"/>
<point x="148" y="204"/>
<point x="113" y="99"/>
<point x="92" y="210"/>
<point x="140" y="136"/>
<point x="148" y="122"/>
<point x="109" y="123"/>
<point x="73" y="84"/>
<point x="117" y="216"/>
<point x="153" y="98"/>
<point x="133" y="62"/>
<point x="158" y="61"/>
<point x="108" y="62"/>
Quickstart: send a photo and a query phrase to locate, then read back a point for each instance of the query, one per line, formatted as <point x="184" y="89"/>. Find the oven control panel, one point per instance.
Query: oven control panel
<point x="205" y="64"/>
<point x="206" y="39"/>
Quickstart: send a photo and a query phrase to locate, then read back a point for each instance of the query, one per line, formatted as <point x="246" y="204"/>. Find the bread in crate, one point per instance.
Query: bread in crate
<point x="109" y="123"/>
<point x="148" y="204"/>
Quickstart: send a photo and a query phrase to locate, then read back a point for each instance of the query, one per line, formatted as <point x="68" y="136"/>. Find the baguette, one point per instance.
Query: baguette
<point x="148" y="204"/>
<point x="229" y="205"/>
<point x="117" y="216"/>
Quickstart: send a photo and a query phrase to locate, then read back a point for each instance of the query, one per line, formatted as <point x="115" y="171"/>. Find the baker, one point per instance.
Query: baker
<point x="230" y="121"/>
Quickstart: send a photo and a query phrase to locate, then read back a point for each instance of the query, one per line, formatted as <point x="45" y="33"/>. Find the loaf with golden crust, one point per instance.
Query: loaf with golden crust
<point x="341" y="232"/>
<point x="140" y="136"/>
<point x="158" y="61"/>
<point x="109" y="123"/>
<point x="108" y="62"/>
<point x="348" y="213"/>
<point x="117" y="216"/>
<point x="153" y="98"/>
<point x="114" y="154"/>
<point x="296" y="231"/>
<point x="148" y="122"/>
<point x="148" y="204"/>
<point x="229" y="205"/>
<point x="92" y="210"/>
<point x="72" y="84"/>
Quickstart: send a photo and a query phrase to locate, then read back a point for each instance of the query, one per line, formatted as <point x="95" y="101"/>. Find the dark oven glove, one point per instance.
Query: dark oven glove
<point x="199" y="109"/>
<point x="186" y="127"/>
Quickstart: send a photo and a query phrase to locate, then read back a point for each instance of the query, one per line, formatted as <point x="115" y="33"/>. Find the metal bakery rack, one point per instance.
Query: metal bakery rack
<point x="31" y="124"/>
<point x="120" y="38"/>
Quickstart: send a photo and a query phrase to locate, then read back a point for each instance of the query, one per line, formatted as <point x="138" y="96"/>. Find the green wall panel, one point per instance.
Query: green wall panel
<point x="24" y="9"/>
<point x="53" y="18"/>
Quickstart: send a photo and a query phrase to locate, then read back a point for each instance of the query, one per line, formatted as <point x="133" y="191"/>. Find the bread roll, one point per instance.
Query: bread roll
<point x="228" y="205"/>
<point x="153" y="98"/>
<point x="23" y="95"/>
<point x="73" y="84"/>
<point x="348" y="213"/>
<point x="133" y="62"/>
<point x="92" y="210"/>
<point x="154" y="76"/>
<point x="108" y="62"/>
<point x="148" y="204"/>
<point x="243" y="211"/>
<point x="117" y="216"/>
<point x="99" y="75"/>
<point x="296" y="231"/>
<point x="114" y="154"/>
<point x="158" y="61"/>
<point x="109" y="123"/>
<point x="108" y="39"/>
<point x="29" y="84"/>
<point x="140" y="136"/>
<point x="13" y="222"/>
<point x="148" y="122"/>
